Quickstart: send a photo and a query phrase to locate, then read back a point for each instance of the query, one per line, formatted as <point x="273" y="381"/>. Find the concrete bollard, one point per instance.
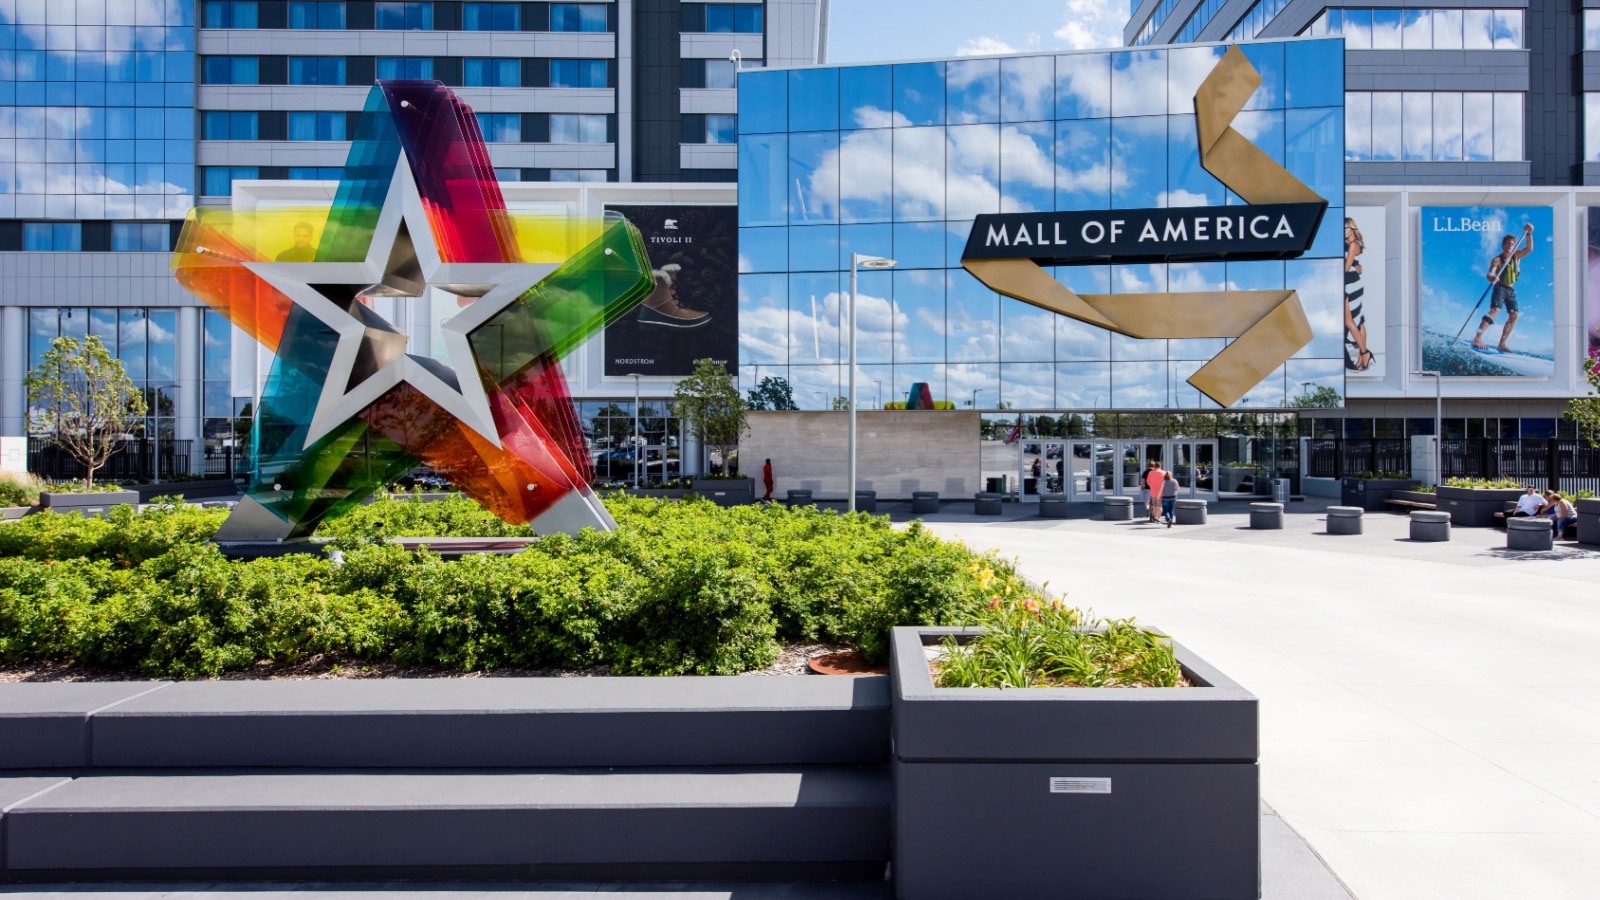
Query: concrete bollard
<point x="1119" y="509"/>
<point x="1344" y="519"/>
<point x="800" y="498"/>
<point x="1268" y="516"/>
<point x="1430" y="525"/>
<point x="1052" y="506"/>
<point x="1529" y="533"/>
<point x="986" y="503"/>
<point x="924" y="502"/>
<point x="1189" y="511"/>
<point x="867" y="501"/>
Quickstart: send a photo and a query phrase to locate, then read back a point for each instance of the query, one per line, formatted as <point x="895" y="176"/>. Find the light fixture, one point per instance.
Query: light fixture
<point x="862" y="261"/>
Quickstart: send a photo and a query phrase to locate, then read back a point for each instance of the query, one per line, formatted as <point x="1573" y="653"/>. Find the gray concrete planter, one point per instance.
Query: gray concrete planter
<point x="1369" y="493"/>
<point x="189" y="490"/>
<point x="1081" y="792"/>
<point x="1588" y="521"/>
<point x="727" y="491"/>
<point x="86" y="503"/>
<point x="1473" y="507"/>
<point x="658" y="493"/>
<point x="10" y="513"/>
<point x="1232" y="477"/>
<point x="1415" y="497"/>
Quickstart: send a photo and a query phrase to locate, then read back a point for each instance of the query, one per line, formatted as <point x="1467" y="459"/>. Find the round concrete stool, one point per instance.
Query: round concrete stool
<point x="1119" y="509"/>
<point x="1052" y="506"/>
<point x="1528" y="533"/>
<point x="800" y="498"/>
<point x="867" y="501"/>
<point x="1344" y="519"/>
<point x="1266" y="515"/>
<point x="986" y="503"/>
<point x="924" y="502"/>
<point x="1190" y="512"/>
<point x="1430" y="525"/>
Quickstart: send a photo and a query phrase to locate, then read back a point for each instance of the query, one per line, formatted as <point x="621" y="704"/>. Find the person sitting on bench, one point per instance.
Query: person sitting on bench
<point x="1529" y="504"/>
<point x="1560" y="512"/>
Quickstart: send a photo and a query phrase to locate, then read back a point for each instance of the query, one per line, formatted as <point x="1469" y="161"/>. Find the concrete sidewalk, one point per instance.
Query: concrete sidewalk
<point x="1430" y="712"/>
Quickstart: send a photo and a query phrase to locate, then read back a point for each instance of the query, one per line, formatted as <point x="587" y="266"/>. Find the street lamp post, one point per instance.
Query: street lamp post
<point x="880" y="393"/>
<point x="1438" y="422"/>
<point x="857" y="261"/>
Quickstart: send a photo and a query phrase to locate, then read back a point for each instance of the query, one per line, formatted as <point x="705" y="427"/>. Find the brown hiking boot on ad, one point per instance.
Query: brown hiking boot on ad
<point x="662" y="306"/>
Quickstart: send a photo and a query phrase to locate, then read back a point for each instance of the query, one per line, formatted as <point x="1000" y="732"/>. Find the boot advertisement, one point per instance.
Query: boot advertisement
<point x="1487" y="302"/>
<point x="693" y="311"/>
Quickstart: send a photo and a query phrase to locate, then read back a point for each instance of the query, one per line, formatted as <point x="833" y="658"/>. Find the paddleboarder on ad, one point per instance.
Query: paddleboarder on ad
<point x="1502" y="274"/>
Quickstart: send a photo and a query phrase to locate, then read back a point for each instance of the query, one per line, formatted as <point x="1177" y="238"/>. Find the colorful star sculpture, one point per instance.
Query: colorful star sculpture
<point x="346" y="409"/>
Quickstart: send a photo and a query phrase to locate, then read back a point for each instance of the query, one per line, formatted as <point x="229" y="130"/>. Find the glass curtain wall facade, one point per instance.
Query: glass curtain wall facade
<point x="897" y="160"/>
<point x="96" y="109"/>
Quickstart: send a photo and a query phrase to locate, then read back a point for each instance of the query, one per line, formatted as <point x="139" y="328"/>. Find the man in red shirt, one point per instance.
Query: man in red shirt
<point x="1157" y="476"/>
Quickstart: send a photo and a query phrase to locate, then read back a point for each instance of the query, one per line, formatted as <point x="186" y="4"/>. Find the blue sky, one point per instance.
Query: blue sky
<point x="875" y="30"/>
<point x="1454" y="264"/>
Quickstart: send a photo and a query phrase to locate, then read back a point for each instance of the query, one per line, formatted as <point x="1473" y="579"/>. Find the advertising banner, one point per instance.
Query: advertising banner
<point x="1365" y="297"/>
<point x="693" y="311"/>
<point x="1487" y="304"/>
<point x="1592" y="289"/>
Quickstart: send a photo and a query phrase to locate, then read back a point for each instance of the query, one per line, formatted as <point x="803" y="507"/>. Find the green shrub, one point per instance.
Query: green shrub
<point x="1497" y="483"/>
<point x="451" y="517"/>
<point x="19" y="489"/>
<point x="1029" y="644"/>
<point x="126" y="536"/>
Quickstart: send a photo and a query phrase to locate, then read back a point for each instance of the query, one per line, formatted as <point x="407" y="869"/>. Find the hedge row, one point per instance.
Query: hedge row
<point x="679" y="588"/>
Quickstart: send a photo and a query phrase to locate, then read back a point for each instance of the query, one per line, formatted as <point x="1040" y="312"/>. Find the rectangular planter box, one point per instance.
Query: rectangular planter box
<point x="727" y="492"/>
<point x="1415" y="497"/>
<point x="658" y="493"/>
<point x="9" y="513"/>
<point x="189" y="490"/>
<point x="1588" y="521"/>
<point x="1473" y="507"/>
<point x="80" y="503"/>
<point x="1233" y="475"/>
<point x="1080" y="792"/>
<point x="1369" y="493"/>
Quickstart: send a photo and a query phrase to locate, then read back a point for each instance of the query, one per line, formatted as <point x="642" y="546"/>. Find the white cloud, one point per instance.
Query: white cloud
<point x="1093" y="23"/>
<point x="984" y="46"/>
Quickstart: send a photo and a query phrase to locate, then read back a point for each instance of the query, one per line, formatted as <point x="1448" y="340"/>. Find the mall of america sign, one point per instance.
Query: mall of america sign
<point x="1007" y="251"/>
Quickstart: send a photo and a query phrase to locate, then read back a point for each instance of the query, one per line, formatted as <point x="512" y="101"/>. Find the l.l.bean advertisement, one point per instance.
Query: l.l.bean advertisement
<point x="1488" y="291"/>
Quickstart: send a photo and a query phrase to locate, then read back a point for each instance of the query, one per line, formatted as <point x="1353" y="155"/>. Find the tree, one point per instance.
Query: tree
<point x="82" y="397"/>
<point x="841" y="403"/>
<point x="709" y="402"/>
<point x="772" y="393"/>
<point x="1318" y="397"/>
<point x="1585" y="411"/>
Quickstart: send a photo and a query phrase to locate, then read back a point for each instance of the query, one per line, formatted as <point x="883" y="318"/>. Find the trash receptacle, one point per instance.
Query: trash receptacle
<point x="995" y="484"/>
<point x="1280" y="490"/>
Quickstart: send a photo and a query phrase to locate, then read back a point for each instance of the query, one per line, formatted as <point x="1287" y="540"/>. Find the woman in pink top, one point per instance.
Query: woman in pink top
<point x="1157" y="476"/>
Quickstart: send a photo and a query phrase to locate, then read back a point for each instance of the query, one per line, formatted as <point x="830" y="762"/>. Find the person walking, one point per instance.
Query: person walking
<point x="1153" y="488"/>
<point x="1169" y="498"/>
<point x="766" y="479"/>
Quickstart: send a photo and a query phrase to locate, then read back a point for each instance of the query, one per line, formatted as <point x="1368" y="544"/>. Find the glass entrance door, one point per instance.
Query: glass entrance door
<point x="1088" y="470"/>
<point x="1194" y="465"/>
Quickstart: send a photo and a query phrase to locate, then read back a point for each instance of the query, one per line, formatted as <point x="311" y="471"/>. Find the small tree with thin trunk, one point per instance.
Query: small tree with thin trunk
<point x="1585" y="411"/>
<point x="82" y="398"/>
<point x="710" y="403"/>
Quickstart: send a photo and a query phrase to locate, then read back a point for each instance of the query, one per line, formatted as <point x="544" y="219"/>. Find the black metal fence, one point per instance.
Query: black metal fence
<point x="1342" y="457"/>
<point x="132" y="460"/>
<point x="1574" y="464"/>
<point x="222" y="462"/>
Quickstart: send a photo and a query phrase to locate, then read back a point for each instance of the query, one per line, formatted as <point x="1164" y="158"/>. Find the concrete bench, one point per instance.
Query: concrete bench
<point x="1052" y="506"/>
<point x="1344" y="519"/>
<point x="1409" y="504"/>
<point x="1529" y="533"/>
<point x="924" y="502"/>
<point x="1119" y="509"/>
<point x="986" y="503"/>
<point x="1190" y="512"/>
<point x="800" y="498"/>
<point x="867" y="501"/>
<point x="1267" y="516"/>
<point x="1430" y="525"/>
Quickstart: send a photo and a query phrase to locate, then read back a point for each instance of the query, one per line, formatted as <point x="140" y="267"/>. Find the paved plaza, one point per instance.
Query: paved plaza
<point x="1430" y="713"/>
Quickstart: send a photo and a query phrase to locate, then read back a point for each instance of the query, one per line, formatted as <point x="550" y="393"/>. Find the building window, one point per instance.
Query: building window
<point x="315" y="173"/>
<point x="52" y="236"/>
<point x="507" y="174"/>
<point x="575" y="129"/>
<point x="407" y="16"/>
<point x="316" y="126"/>
<point x="1591" y="127"/>
<point x="320" y="70"/>
<point x="1440" y="126"/>
<point x="229" y="126"/>
<point x="326" y="14"/>
<point x="722" y="18"/>
<point x="144" y="340"/>
<point x="491" y="72"/>
<point x="143" y="237"/>
<point x="722" y="129"/>
<point x="493" y="16"/>
<point x="577" y="174"/>
<point x="501" y="128"/>
<point x="721" y="73"/>
<point x="230" y="14"/>
<point x="579" y="17"/>
<point x="1249" y="25"/>
<point x="1591" y="29"/>
<point x="217" y="181"/>
<point x="1426" y="29"/>
<point x="230" y="70"/>
<point x="390" y="68"/>
<point x="585" y="73"/>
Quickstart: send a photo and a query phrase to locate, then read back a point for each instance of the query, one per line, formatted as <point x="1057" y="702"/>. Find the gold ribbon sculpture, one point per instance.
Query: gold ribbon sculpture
<point x="1268" y="327"/>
